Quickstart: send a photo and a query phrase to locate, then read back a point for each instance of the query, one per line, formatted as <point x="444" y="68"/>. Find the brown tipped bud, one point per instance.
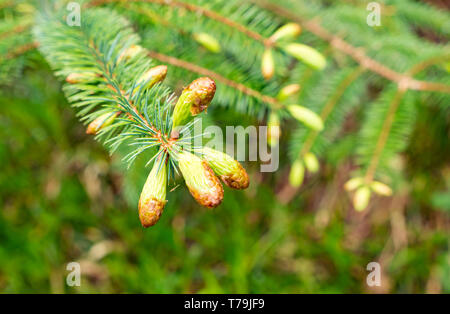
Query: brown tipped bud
<point x="226" y="168"/>
<point x="130" y="53"/>
<point x="153" y="196"/>
<point x="306" y="54"/>
<point x="268" y="64"/>
<point x="153" y="76"/>
<point x="208" y="42"/>
<point x="200" y="179"/>
<point x="288" y="91"/>
<point x="101" y="122"/>
<point x="193" y="100"/>
<point x="274" y="129"/>
<point x="288" y="31"/>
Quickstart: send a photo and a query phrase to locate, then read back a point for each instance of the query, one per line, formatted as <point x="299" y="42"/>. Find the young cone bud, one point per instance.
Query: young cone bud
<point x="101" y="122"/>
<point x="208" y="42"/>
<point x="288" y="91"/>
<point x="288" y="31"/>
<point x="361" y="198"/>
<point x="311" y="162"/>
<point x="200" y="179"/>
<point x="193" y="100"/>
<point x="153" y="196"/>
<point x="306" y="116"/>
<point x="274" y="129"/>
<point x="353" y="184"/>
<point x="381" y="188"/>
<point x="306" y="54"/>
<point x="152" y="76"/>
<point x="226" y="168"/>
<point x="268" y="64"/>
<point x="297" y="174"/>
<point x="129" y="53"/>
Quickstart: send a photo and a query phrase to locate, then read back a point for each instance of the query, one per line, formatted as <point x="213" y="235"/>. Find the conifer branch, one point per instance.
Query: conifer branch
<point x="357" y="54"/>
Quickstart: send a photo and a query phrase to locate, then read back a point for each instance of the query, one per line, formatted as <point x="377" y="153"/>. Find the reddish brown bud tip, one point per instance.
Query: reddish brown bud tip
<point x="204" y="90"/>
<point x="150" y="210"/>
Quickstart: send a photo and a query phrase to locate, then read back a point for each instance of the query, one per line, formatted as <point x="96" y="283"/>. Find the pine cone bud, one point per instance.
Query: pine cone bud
<point x="297" y="173"/>
<point x="101" y="122"/>
<point x="200" y="179"/>
<point x="361" y="198"/>
<point x="353" y="184"/>
<point x="311" y="162"/>
<point x="268" y="64"/>
<point x="288" y="31"/>
<point x="226" y="168"/>
<point x="129" y="53"/>
<point x="306" y="116"/>
<point x="193" y="100"/>
<point x="274" y="129"/>
<point x="288" y="91"/>
<point x="153" y="76"/>
<point x="381" y="188"/>
<point x="208" y="42"/>
<point x="306" y="54"/>
<point x="153" y="196"/>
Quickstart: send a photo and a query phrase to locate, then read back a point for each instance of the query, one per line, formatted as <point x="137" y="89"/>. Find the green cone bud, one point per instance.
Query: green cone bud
<point x="306" y="54"/>
<point x="288" y="31"/>
<point x="200" y="179"/>
<point x="311" y="162"/>
<point x="153" y="76"/>
<point x="101" y="122"/>
<point x="193" y="100"/>
<point x="153" y="196"/>
<point x="268" y="64"/>
<point x="361" y="198"/>
<point x="306" y="116"/>
<point x="226" y="168"/>
<point x="274" y="129"/>
<point x="297" y="174"/>
<point x="208" y="42"/>
<point x="353" y="184"/>
<point x="381" y="188"/>
<point x="129" y="53"/>
<point x="288" y="91"/>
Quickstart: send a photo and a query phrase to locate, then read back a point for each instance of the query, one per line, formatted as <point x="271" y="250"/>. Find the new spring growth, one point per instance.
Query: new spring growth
<point x="193" y="100"/>
<point x="306" y="54"/>
<point x="364" y="190"/>
<point x="200" y="179"/>
<point x="129" y="53"/>
<point x="311" y="162"/>
<point x="361" y="198"/>
<point x="288" y="31"/>
<point x="288" y="91"/>
<point x="101" y="122"/>
<point x="268" y="64"/>
<point x="297" y="173"/>
<point x="306" y="116"/>
<point x="226" y="168"/>
<point x="153" y="196"/>
<point x="153" y="76"/>
<point x="274" y="129"/>
<point x="208" y="42"/>
<point x="84" y="77"/>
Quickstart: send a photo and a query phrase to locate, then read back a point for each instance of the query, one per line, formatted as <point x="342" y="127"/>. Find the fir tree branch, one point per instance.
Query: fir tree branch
<point x="203" y="71"/>
<point x="384" y="135"/>
<point x="403" y="80"/>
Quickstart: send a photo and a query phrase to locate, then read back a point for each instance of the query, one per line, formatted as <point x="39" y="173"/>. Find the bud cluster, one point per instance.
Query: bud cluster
<point x="308" y="162"/>
<point x="363" y="191"/>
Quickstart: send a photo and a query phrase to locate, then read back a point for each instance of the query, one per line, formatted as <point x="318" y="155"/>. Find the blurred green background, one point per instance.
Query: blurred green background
<point x="64" y="199"/>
